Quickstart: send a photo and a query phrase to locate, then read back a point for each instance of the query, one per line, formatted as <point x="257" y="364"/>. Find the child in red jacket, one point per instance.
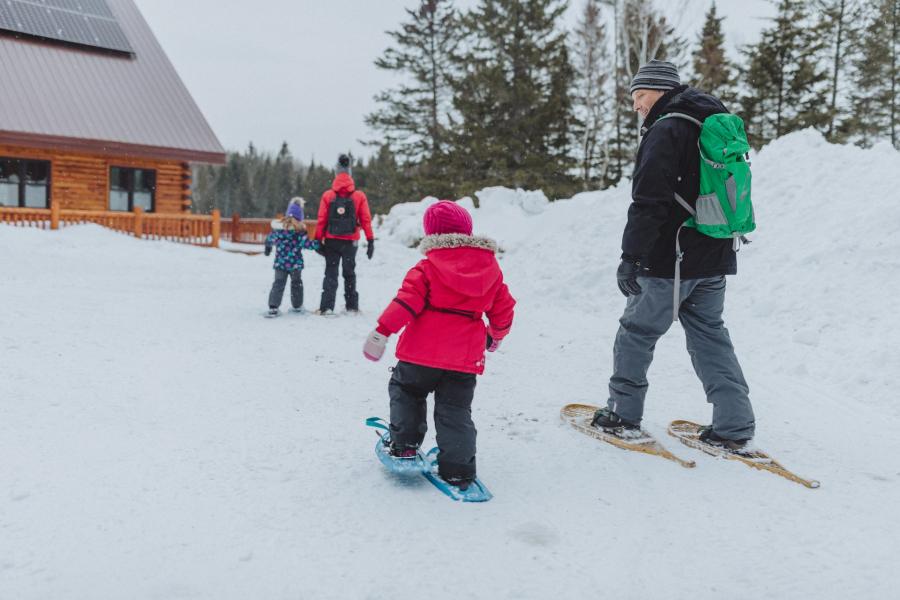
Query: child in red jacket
<point x="441" y="304"/>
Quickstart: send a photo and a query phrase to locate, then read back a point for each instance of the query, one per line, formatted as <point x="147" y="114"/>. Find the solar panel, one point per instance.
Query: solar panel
<point x="83" y="22"/>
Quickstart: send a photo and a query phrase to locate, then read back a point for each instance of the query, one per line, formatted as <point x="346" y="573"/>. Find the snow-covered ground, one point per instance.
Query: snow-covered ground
<point x="160" y="439"/>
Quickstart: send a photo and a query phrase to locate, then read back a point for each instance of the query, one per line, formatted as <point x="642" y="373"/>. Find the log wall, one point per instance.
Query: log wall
<point x="81" y="181"/>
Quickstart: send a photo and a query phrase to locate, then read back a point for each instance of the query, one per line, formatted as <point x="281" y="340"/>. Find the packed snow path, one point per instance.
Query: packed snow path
<point x="160" y="439"/>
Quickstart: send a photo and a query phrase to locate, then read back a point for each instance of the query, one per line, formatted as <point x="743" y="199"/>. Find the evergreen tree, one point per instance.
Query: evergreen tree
<point x="593" y="96"/>
<point x="892" y="14"/>
<point x="203" y="197"/>
<point x="713" y="71"/>
<point x="647" y="34"/>
<point x="283" y="186"/>
<point x="785" y="79"/>
<point x="244" y="201"/>
<point x="875" y="76"/>
<point x="252" y="184"/>
<point x="317" y="180"/>
<point x="618" y="145"/>
<point x="262" y="187"/>
<point x="838" y="20"/>
<point x="415" y="116"/>
<point x="384" y="181"/>
<point x="641" y="34"/>
<point x="513" y="98"/>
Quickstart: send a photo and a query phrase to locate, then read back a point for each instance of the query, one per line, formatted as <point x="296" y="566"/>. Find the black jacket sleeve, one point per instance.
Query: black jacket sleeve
<point x="652" y="191"/>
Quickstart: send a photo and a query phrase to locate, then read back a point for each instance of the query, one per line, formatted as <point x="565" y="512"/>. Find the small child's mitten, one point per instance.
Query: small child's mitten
<point x="374" y="347"/>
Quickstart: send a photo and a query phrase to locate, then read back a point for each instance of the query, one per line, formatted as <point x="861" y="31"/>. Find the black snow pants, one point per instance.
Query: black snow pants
<point x="339" y="253"/>
<point x="277" y="292"/>
<point x="453" y="393"/>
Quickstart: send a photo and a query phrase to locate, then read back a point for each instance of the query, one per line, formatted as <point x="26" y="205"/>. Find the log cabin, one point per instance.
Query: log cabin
<point x="93" y="116"/>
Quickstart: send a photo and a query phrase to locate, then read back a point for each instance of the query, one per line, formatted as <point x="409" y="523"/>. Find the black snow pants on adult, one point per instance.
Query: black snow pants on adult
<point x="453" y="393"/>
<point x="277" y="292"/>
<point x="339" y="254"/>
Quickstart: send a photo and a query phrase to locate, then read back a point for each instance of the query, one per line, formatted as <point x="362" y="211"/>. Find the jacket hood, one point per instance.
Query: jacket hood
<point x="686" y="100"/>
<point x="343" y="184"/>
<point x="464" y="263"/>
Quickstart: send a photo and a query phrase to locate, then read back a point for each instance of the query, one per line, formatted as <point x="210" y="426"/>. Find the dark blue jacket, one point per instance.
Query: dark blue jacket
<point x="668" y="161"/>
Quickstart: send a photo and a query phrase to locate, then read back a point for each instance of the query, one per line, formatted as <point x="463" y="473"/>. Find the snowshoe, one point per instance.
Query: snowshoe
<point x="581" y="417"/>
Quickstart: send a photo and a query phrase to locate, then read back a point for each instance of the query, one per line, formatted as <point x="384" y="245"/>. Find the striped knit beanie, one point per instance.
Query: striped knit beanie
<point x="656" y="75"/>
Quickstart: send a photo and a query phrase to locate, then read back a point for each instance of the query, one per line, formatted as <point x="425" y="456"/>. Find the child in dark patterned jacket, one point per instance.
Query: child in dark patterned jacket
<point x="289" y="239"/>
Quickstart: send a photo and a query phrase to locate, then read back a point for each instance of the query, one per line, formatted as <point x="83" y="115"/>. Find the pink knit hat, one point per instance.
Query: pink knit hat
<point x="447" y="216"/>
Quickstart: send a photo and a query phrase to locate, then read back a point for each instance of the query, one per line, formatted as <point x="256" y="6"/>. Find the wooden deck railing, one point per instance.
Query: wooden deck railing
<point x="199" y="230"/>
<point x="254" y="231"/>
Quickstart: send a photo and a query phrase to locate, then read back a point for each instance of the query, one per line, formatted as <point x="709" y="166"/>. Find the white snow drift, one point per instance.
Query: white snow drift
<point x="159" y="439"/>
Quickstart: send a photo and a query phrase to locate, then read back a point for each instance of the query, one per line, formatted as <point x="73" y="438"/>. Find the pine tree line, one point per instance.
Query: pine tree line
<point x="254" y="184"/>
<point x="504" y="94"/>
<point x="533" y="105"/>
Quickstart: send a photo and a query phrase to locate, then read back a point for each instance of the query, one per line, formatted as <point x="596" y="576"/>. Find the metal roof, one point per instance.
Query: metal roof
<point x="69" y="98"/>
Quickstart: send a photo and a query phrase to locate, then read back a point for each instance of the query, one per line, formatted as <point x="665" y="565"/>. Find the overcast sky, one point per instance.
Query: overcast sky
<point x="302" y="70"/>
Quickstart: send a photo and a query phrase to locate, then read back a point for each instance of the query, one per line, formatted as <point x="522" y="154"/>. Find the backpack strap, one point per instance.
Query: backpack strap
<point x="678" y="115"/>
<point x="679" y="256"/>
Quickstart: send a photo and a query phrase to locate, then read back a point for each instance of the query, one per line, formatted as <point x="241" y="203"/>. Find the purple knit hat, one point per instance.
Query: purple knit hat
<point x="447" y="216"/>
<point x="295" y="209"/>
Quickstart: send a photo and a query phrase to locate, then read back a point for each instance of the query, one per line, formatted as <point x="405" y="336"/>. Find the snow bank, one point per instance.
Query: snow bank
<point x="160" y="439"/>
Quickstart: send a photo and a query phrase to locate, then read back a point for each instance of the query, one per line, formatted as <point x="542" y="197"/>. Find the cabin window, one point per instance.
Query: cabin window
<point x="24" y="183"/>
<point x="129" y="188"/>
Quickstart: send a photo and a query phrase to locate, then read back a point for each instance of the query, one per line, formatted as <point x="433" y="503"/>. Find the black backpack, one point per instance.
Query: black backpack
<point x="342" y="216"/>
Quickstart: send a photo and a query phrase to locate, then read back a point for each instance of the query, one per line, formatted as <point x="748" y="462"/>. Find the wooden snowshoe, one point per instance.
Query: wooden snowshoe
<point x="688" y="433"/>
<point x="579" y="416"/>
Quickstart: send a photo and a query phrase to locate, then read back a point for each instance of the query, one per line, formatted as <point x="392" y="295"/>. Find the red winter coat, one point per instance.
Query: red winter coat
<point x="442" y="301"/>
<point x="344" y="186"/>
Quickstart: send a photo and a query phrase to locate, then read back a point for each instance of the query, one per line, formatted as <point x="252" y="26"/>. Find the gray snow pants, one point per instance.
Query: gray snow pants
<point x="647" y="317"/>
<point x="453" y="393"/>
<point x="277" y="292"/>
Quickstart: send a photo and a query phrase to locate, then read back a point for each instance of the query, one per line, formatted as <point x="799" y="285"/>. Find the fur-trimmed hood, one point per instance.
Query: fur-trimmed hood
<point x="456" y="240"/>
<point x="463" y="263"/>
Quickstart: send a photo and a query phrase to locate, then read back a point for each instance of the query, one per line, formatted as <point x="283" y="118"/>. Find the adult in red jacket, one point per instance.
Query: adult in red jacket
<point x="342" y="211"/>
<point x="441" y="304"/>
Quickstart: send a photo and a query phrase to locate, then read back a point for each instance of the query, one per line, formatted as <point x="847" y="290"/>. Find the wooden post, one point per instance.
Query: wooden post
<point x="138" y="222"/>
<point x="54" y="214"/>
<point x="235" y="227"/>
<point x="216" y="227"/>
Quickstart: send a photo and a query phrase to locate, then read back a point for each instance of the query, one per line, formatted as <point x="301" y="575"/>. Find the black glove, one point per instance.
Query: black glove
<point x="268" y="250"/>
<point x="370" y="249"/>
<point x="627" y="274"/>
<point x="321" y="249"/>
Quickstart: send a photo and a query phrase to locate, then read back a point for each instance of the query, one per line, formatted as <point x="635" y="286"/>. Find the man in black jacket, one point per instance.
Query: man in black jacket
<point x="668" y="163"/>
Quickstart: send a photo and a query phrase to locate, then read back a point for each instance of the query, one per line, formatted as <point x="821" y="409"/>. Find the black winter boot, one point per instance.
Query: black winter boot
<point x="608" y="420"/>
<point x="708" y="436"/>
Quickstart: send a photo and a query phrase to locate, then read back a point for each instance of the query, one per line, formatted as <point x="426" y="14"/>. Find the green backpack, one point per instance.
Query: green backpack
<point x="724" y="209"/>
